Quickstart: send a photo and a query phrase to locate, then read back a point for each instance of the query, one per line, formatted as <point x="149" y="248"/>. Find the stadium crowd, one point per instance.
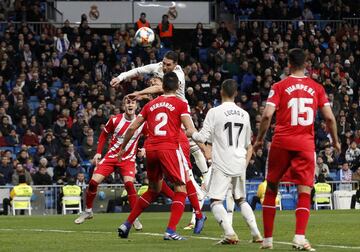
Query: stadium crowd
<point x="55" y="96"/>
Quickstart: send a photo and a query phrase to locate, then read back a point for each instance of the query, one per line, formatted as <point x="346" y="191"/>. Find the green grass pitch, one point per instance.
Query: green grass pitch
<point x="327" y="231"/>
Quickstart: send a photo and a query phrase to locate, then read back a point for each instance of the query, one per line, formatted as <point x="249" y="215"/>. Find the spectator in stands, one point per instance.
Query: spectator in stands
<point x="6" y="171"/>
<point x="5" y="126"/>
<point x="60" y="172"/>
<point x="80" y="180"/>
<point x="20" y="170"/>
<point x="345" y="173"/>
<point x="42" y="177"/>
<point x="321" y="167"/>
<point x="142" y="22"/>
<point x="352" y="155"/>
<point x="166" y="31"/>
<point x="97" y="119"/>
<point x="71" y="153"/>
<point x="73" y="168"/>
<point x="30" y="138"/>
<point x="88" y="149"/>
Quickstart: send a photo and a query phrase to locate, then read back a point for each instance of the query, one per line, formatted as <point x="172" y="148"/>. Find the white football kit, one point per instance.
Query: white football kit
<point x="156" y="70"/>
<point x="228" y="128"/>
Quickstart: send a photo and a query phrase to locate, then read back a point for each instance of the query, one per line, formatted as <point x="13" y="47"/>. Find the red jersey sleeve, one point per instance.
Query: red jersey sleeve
<point x="274" y="96"/>
<point x="184" y="109"/>
<point x="322" y="97"/>
<point x="109" y="127"/>
<point x="144" y="112"/>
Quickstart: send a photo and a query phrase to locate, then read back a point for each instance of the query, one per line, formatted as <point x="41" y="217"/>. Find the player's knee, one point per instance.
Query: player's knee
<point x="240" y="201"/>
<point x="155" y="186"/>
<point x="272" y="187"/>
<point x="179" y="187"/>
<point x="93" y="185"/>
<point x="214" y="202"/>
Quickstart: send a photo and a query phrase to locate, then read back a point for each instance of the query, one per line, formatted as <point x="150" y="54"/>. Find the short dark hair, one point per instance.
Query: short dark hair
<point x="297" y="58"/>
<point x="171" y="55"/>
<point x="229" y="87"/>
<point x="321" y="178"/>
<point x="170" y="82"/>
<point x="22" y="178"/>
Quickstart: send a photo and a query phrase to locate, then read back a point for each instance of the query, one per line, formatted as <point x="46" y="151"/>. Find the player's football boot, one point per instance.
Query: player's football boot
<point x="137" y="225"/>
<point x="302" y="246"/>
<point x="266" y="244"/>
<point x="124" y="230"/>
<point x="190" y="226"/>
<point x="172" y="235"/>
<point x="257" y="239"/>
<point x="84" y="216"/>
<point x="199" y="224"/>
<point x="229" y="240"/>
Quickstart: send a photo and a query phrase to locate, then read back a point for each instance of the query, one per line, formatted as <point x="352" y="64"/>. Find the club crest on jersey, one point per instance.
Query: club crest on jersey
<point x="271" y="93"/>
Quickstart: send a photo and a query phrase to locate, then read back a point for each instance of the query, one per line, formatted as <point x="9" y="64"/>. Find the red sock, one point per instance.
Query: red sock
<point x="191" y="194"/>
<point x="132" y="196"/>
<point x="302" y="213"/>
<point x="91" y="193"/>
<point x="166" y="190"/>
<point x="177" y="209"/>
<point x="143" y="202"/>
<point x="269" y="210"/>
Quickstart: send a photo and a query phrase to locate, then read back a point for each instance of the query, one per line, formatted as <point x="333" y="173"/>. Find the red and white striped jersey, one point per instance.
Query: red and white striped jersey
<point x="117" y="126"/>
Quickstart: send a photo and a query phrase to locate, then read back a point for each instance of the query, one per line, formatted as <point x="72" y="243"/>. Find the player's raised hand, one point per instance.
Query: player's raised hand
<point x="115" y="82"/>
<point x="258" y="145"/>
<point x="96" y="158"/>
<point x="134" y="96"/>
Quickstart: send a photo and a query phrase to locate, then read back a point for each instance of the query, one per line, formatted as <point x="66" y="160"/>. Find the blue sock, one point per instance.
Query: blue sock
<point x="127" y="224"/>
<point x="169" y="231"/>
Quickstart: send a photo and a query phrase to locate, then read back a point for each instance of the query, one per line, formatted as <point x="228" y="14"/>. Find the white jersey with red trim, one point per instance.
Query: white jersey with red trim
<point x="117" y="126"/>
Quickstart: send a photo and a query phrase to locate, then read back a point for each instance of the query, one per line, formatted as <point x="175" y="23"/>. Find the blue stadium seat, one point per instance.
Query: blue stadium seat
<point x="86" y="164"/>
<point x="32" y="151"/>
<point x="33" y="99"/>
<point x="288" y="201"/>
<point x="17" y="149"/>
<point x="5" y="148"/>
<point x="50" y="106"/>
<point x="334" y="176"/>
<point x="57" y="84"/>
<point x="53" y="91"/>
<point x="203" y="55"/>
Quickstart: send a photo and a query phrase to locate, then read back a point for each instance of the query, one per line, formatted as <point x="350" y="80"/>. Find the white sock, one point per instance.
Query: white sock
<point x="299" y="238"/>
<point x="268" y="240"/>
<point x="88" y="210"/>
<point x="230" y="204"/>
<point x="249" y="217"/>
<point x="200" y="193"/>
<point x="200" y="161"/>
<point x="220" y="214"/>
<point x="193" y="217"/>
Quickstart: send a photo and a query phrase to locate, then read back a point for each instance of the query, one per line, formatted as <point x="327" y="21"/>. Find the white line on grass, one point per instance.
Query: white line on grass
<point x="155" y="234"/>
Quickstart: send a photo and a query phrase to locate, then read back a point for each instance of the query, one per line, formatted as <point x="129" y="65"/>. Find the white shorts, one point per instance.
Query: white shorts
<point x="220" y="184"/>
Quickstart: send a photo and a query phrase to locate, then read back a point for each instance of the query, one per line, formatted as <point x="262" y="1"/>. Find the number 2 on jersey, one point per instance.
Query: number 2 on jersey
<point x="162" y="118"/>
<point x="229" y="127"/>
<point x="298" y="106"/>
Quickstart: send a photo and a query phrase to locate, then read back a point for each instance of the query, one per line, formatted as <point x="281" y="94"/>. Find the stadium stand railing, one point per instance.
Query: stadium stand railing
<point x="46" y="201"/>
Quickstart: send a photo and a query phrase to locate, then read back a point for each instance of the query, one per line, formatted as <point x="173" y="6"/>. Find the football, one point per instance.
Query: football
<point x="144" y="36"/>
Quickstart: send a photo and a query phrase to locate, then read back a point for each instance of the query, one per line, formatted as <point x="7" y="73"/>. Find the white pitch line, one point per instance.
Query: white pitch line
<point x="156" y="234"/>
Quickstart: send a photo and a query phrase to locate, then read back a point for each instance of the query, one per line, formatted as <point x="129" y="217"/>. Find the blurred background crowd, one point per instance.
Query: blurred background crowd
<point x="55" y="96"/>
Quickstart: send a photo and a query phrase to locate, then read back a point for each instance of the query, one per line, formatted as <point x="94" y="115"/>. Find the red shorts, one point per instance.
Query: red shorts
<point x="299" y="166"/>
<point x="107" y="166"/>
<point x="165" y="162"/>
<point x="185" y="149"/>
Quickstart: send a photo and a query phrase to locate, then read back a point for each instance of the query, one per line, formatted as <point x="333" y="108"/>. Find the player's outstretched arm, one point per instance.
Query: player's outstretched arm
<point x="155" y="89"/>
<point x="133" y="73"/>
<point x="331" y="125"/>
<point x="129" y="133"/>
<point x="264" y="125"/>
<point x="205" y="133"/>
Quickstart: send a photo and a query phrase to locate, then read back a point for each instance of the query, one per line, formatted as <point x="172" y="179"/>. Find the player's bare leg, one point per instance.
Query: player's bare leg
<point x="269" y="211"/>
<point x="221" y="216"/>
<point x="91" y="191"/>
<point x="132" y="197"/>
<point x="302" y="213"/>
<point x="141" y="204"/>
